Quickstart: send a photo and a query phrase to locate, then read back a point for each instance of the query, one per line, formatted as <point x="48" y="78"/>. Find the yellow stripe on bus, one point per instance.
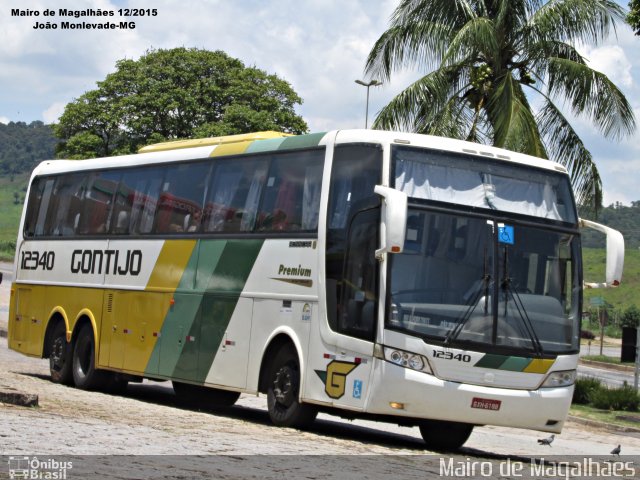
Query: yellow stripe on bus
<point x="539" y="365"/>
<point x="170" y="266"/>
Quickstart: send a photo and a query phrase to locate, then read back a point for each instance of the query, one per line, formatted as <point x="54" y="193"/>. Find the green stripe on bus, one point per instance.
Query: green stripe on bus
<point x="265" y="145"/>
<point x="226" y="282"/>
<point x="515" y="364"/>
<point x="302" y="141"/>
<point x="491" y="361"/>
<point x="168" y="347"/>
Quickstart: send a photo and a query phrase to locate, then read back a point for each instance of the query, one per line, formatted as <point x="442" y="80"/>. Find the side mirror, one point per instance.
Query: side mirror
<point x="615" y="254"/>
<point x="394" y="220"/>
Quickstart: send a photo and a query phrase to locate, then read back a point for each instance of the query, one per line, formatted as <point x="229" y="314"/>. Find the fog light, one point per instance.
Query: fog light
<point x="397" y="405"/>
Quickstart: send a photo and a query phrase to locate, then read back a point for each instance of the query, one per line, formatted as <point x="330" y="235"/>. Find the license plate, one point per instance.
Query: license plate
<point x="485" y="403"/>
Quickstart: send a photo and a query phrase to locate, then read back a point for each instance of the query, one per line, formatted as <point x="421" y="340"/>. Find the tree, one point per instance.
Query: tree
<point x="177" y="93"/>
<point x="481" y="56"/>
<point x="633" y="17"/>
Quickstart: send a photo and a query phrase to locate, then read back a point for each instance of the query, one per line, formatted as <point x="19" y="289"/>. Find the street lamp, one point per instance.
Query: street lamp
<point x="372" y="83"/>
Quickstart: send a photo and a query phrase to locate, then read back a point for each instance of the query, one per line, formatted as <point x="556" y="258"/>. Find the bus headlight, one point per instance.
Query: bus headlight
<point x="407" y="359"/>
<point x="560" y="379"/>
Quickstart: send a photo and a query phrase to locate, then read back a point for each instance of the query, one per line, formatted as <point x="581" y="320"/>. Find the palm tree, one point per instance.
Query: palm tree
<point x="484" y="56"/>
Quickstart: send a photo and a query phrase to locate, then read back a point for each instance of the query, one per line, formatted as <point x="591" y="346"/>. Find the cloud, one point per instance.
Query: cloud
<point x="612" y="61"/>
<point x="52" y="114"/>
<point x="4" y="120"/>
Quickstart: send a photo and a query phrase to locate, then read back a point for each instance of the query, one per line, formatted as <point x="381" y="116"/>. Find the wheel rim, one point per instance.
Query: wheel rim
<point x="57" y="354"/>
<point x="284" y="386"/>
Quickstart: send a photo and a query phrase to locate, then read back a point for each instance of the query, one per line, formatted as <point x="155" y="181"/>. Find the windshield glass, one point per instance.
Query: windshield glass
<point x="481" y="182"/>
<point x="470" y="281"/>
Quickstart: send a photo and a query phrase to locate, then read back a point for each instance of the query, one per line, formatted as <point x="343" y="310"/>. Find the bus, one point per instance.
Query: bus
<point x="398" y="277"/>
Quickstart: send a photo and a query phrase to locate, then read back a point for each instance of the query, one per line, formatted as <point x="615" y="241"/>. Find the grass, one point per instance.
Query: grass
<point x="606" y="359"/>
<point x="10" y="212"/>
<point x="626" y="294"/>
<point x="605" y="416"/>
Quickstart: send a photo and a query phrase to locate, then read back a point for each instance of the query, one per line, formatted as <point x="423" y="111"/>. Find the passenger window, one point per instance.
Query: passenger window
<point x="234" y="195"/>
<point x="97" y="203"/>
<point x="64" y="212"/>
<point x="37" y="206"/>
<point x="181" y="198"/>
<point x="291" y="199"/>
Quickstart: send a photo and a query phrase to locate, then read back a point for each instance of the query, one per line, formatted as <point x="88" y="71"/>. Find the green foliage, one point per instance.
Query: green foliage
<point x="624" y="398"/>
<point x="625" y="219"/>
<point x="480" y="58"/>
<point x="633" y="17"/>
<point x="584" y="389"/>
<point x="171" y="94"/>
<point x="23" y="146"/>
<point x="630" y="317"/>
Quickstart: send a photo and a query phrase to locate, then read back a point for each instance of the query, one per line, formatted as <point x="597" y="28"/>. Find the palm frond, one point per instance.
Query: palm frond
<point x="422" y="43"/>
<point x="419" y="100"/>
<point x="477" y="35"/>
<point x="565" y="147"/>
<point x="591" y="93"/>
<point x="512" y="119"/>
<point x="574" y="21"/>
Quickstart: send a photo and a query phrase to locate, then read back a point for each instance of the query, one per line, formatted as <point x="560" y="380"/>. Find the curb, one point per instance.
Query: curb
<point x="603" y="425"/>
<point x="607" y="366"/>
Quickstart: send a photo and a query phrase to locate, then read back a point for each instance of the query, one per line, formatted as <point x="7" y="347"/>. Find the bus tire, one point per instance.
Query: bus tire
<point x="444" y="436"/>
<point x="60" y="356"/>
<point x="283" y="392"/>
<point x="85" y="374"/>
<point x="204" y="397"/>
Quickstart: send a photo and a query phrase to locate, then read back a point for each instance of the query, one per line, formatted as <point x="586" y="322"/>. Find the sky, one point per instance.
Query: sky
<point x="318" y="46"/>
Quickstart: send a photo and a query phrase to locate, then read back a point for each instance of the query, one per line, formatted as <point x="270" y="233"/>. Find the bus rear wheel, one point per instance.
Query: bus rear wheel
<point x="201" y="396"/>
<point x="444" y="436"/>
<point x="60" y="356"/>
<point x="283" y="393"/>
<point x="85" y="374"/>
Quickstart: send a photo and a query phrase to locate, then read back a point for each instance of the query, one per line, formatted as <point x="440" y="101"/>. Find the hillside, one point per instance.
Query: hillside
<point x="621" y="297"/>
<point x="23" y="146"/>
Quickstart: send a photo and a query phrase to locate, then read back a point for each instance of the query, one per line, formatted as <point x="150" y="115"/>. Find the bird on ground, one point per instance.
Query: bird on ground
<point x="616" y="451"/>
<point x="546" y="441"/>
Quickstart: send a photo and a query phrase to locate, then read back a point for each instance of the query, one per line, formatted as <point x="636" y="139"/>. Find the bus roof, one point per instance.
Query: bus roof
<point x="205" y="142"/>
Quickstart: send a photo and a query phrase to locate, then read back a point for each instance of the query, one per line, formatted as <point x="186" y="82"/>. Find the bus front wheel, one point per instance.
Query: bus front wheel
<point x="444" y="436"/>
<point x="283" y="393"/>
<point x="85" y="374"/>
<point x="60" y="356"/>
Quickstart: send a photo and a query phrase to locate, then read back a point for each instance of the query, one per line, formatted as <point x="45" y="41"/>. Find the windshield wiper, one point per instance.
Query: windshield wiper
<point x="506" y="285"/>
<point x="472" y="303"/>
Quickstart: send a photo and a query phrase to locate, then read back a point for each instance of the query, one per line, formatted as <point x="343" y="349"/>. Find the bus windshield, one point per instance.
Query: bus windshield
<point x="469" y="279"/>
<point x="482" y="183"/>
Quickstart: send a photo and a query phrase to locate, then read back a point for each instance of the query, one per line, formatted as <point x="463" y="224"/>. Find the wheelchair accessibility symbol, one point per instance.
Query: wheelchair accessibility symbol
<point x="505" y="234"/>
<point x="357" y="388"/>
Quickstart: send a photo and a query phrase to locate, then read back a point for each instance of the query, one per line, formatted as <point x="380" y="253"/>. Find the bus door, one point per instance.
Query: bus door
<point x="352" y="272"/>
<point x="357" y="311"/>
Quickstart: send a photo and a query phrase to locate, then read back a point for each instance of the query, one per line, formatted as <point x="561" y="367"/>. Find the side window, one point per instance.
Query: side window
<point x="181" y="198"/>
<point x="37" y="203"/>
<point x="97" y="203"/>
<point x="143" y="185"/>
<point x="64" y="212"/>
<point x="234" y="195"/>
<point x="356" y="170"/>
<point x="360" y="291"/>
<point x="291" y="199"/>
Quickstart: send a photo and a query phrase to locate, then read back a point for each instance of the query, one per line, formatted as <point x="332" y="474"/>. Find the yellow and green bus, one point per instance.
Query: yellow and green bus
<point x="405" y="278"/>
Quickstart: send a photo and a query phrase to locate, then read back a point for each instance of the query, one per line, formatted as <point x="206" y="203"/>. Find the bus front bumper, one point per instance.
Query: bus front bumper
<point x="404" y="392"/>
